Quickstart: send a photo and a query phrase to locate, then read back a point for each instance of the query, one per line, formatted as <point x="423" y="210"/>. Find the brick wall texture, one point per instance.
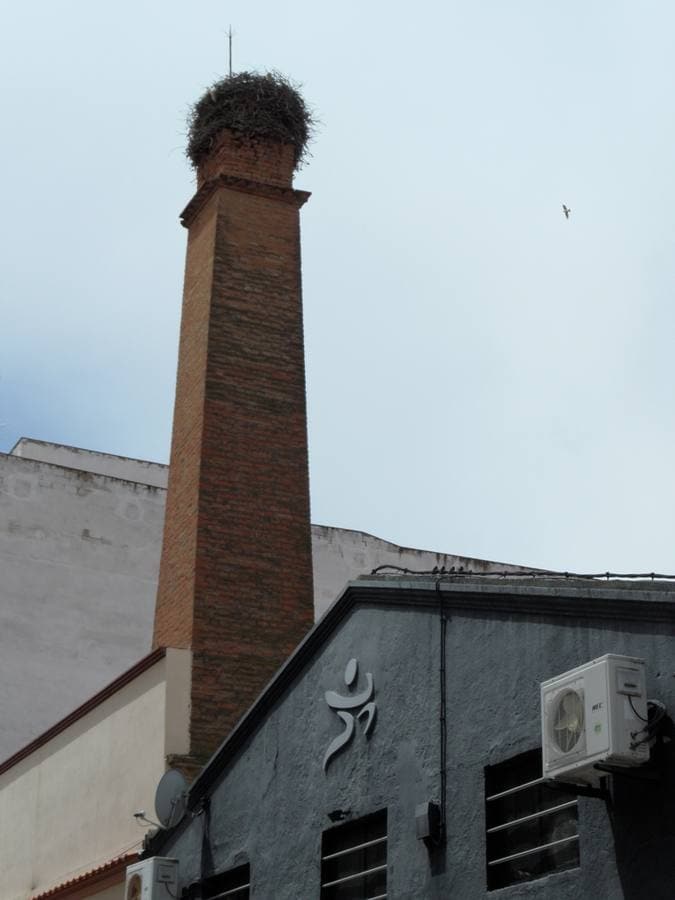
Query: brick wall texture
<point x="236" y="577"/>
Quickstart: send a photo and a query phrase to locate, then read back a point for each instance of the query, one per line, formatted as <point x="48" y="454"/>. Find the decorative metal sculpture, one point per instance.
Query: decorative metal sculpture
<point x="351" y="702"/>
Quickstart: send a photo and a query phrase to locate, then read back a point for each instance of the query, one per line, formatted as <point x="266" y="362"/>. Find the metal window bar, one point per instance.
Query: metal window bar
<point x="514" y="790"/>
<point x="230" y="892"/>
<point x="537" y="815"/>
<point x="496" y="862"/>
<point x="354" y="849"/>
<point x="346" y="878"/>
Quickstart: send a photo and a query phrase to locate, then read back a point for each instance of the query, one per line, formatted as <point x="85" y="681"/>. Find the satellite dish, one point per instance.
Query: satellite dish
<point x="171" y="798"/>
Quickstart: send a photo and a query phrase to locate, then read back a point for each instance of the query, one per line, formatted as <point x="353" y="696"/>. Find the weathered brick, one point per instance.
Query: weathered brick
<point x="236" y="577"/>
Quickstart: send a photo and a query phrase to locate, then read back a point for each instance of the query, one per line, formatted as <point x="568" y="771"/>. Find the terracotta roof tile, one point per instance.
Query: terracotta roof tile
<point x="111" y="867"/>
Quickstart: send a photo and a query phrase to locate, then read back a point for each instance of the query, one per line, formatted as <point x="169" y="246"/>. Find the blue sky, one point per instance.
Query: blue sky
<point x="484" y="377"/>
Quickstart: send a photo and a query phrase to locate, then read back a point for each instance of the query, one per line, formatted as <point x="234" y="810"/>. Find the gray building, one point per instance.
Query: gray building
<point x="418" y="690"/>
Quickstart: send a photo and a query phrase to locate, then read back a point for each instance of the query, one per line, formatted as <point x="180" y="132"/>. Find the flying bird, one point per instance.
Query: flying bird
<point x="567" y="211"/>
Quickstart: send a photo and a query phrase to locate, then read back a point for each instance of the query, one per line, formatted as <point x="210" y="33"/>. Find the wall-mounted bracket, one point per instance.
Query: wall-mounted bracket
<point x="636" y="774"/>
<point x="581" y="790"/>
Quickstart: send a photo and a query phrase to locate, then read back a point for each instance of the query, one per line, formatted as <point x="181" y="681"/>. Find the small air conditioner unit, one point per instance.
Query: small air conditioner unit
<point x="152" y="879"/>
<point x="595" y="713"/>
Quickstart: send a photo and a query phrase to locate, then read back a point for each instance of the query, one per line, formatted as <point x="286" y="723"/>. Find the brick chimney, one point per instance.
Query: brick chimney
<point x="235" y="582"/>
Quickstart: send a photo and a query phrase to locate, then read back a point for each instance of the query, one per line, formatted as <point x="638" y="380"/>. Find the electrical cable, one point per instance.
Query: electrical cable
<point x="461" y="572"/>
<point x="443" y="710"/>
<point x="661" y="707"/>
<point x="637" y="714"/>
<point x="652" y="722"/>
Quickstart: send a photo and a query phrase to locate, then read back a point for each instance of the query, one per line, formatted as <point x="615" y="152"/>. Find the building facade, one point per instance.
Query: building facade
<point x="437" y="682"/>
<point x="190" y="591"/>
<point x="67" y="799"/>
<point x="80" y="545"/>
<point x="216" y="566"/>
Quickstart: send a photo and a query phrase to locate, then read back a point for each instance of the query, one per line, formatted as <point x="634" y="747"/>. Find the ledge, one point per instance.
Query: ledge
<point x="245" y="186"/>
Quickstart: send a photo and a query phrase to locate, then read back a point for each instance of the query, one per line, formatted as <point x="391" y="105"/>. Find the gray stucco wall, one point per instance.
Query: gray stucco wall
<point x="80" y="543"/>
<point x="495" y="669"/>
<point x="272" y="803"/>
<point x="272" y="806"/>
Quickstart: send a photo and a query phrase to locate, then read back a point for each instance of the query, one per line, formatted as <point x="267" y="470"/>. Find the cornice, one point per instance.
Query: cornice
<point x="554" y="598"/>
<point x="244" y="185"/>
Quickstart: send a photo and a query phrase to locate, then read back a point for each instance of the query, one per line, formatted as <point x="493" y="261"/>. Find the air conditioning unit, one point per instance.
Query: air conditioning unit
<point x="595" y="713"/>
<point x="152" y="879"/>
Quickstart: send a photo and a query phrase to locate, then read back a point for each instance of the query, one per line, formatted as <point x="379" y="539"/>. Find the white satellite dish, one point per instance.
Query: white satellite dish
<point x="171" y="798"/>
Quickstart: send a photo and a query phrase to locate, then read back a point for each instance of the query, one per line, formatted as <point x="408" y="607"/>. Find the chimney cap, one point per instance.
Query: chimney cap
<point x="254" y="106"/>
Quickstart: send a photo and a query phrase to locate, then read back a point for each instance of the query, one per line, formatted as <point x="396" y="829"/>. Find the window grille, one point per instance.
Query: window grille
<point x="532" y="829"/>
<point x="354" y="860"/>
<point x="235" y="884"/>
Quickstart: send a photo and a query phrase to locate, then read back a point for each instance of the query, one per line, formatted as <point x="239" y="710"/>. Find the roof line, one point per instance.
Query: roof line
<point x="404" y="548"/>
<point x="88" y="879"/>
<point x="53" y="465"/>
<point x="42" y="443"/>
<point x="121" y="681"/>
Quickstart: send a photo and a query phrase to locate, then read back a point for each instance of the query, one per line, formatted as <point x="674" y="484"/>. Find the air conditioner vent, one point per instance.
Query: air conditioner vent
<point x="568" y="720"/>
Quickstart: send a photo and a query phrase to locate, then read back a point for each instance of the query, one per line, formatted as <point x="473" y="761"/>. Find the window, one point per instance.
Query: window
<point x="532" y="829"/>
<point x="354" y="860"/>
<point x="235" y="884"/>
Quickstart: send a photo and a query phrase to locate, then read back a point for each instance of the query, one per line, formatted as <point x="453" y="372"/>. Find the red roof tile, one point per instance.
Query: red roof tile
<point x="90" y="877"/>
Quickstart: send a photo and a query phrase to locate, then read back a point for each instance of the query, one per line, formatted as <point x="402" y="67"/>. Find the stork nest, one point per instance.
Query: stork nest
<point x="252" y="106"/>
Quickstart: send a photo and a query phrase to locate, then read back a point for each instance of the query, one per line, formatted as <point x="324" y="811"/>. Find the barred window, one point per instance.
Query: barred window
<point x="532" y="829"/>
<point x="354" y="860"/>
<point x="235" y="884"/>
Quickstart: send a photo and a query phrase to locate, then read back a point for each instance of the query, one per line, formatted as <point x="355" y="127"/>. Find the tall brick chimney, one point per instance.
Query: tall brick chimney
<point x="235" y="582"/>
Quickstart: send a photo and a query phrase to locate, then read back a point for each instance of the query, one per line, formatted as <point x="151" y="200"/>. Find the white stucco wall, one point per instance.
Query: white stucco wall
<point x="78" y="561"/>
<point x="69" y="806"/>
<point x="340" y="555"/>
<point x="151" y="473"/>
<point x="111" y="893"/>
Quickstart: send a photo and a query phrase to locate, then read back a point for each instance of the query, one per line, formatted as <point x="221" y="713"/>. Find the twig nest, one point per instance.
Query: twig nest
<point x="253" y="106"/>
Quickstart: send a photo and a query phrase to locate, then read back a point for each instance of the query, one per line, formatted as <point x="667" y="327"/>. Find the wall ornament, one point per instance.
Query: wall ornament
<point x="346" y="708"/>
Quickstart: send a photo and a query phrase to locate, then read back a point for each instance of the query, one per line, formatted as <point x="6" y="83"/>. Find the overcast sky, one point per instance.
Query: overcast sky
<point x="484" y="376"/>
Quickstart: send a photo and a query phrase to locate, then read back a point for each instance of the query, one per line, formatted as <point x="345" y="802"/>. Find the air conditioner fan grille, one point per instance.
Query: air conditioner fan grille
<point x="568" y="720"/>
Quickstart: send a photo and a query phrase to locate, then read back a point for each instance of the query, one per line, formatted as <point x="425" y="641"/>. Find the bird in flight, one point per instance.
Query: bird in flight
<point x="567" y="211"/>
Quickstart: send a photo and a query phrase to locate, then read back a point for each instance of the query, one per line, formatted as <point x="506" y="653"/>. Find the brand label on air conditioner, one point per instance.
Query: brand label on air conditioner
<point x="628" y="682"/>
<point x="165" y="873"/>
